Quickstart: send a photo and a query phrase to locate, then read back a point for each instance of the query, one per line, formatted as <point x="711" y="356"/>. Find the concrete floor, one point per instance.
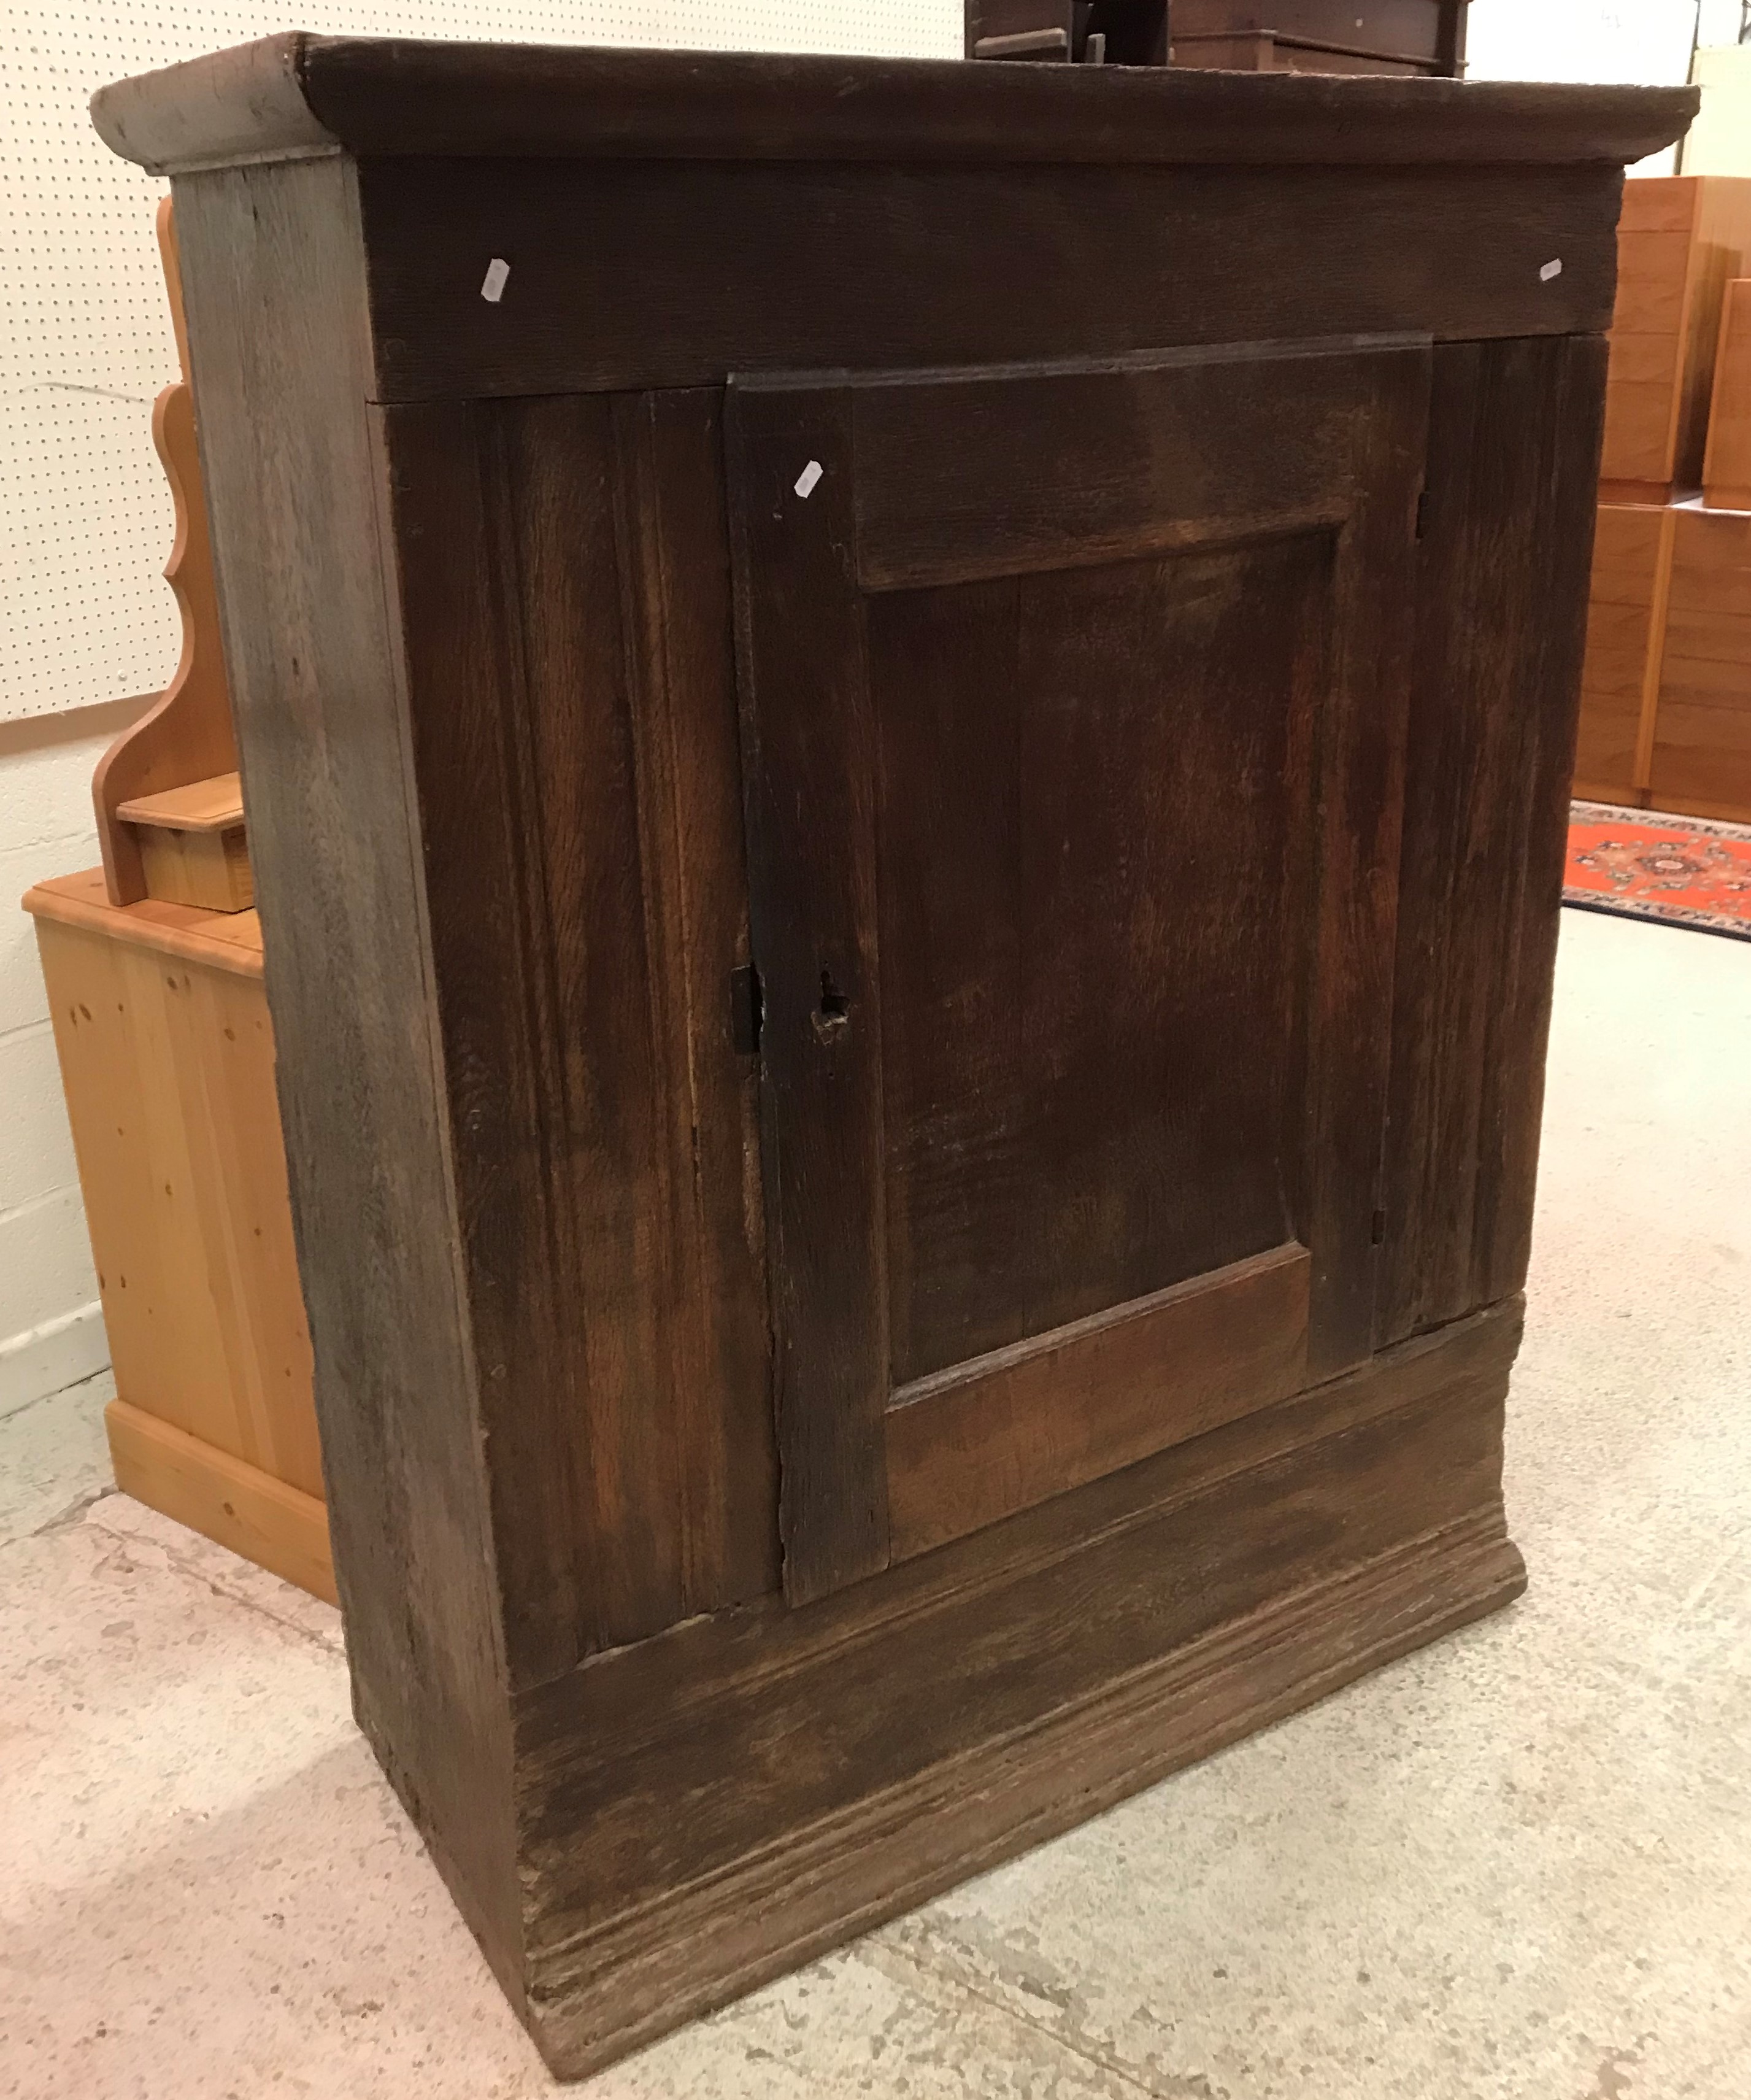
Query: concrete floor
<point x="1516" y="1863"/>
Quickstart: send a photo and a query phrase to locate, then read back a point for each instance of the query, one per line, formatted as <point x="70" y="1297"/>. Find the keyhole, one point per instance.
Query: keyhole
<point x="834" y="1013"/>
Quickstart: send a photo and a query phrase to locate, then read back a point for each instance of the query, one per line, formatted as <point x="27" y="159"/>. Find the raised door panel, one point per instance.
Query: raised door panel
<point x="1072" y="717"/>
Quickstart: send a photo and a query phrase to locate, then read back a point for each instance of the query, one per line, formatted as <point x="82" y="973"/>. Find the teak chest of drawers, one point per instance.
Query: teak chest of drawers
<point x="906" y="729"/>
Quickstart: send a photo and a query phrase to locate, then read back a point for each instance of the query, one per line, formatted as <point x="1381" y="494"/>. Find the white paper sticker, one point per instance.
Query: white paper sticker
<point x="807" y="479"/>
<point x="1551" y="270"/>
<point x="492" y="286"/>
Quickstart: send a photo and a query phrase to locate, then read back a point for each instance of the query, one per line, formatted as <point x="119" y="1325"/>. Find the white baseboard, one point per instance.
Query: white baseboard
<point x="50" y="1357"/>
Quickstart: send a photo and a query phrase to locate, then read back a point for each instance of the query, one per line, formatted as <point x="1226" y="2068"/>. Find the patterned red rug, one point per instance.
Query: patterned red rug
<point x="1686" y="870"/>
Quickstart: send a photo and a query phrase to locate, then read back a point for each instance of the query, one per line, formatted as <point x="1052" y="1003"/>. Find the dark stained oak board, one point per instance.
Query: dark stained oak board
<point x="1513" y="457"/>
<point x="910" y="1112"/>
<point x="1073" y="710"/>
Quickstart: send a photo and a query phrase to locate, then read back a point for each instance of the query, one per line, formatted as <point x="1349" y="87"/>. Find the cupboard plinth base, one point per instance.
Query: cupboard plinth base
<point x="705" y="1811"/>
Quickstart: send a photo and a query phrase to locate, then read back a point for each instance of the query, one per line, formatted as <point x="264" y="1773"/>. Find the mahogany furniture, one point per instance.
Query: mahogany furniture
<point x="906" y="729"/>
<point x="1401" y="37"/>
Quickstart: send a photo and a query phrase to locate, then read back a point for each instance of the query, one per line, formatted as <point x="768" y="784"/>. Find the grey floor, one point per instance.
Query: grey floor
<point x="1517" y="1863"/>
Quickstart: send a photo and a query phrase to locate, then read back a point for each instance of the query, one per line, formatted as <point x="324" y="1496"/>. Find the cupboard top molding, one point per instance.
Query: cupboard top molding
<point x="295" y="95"/>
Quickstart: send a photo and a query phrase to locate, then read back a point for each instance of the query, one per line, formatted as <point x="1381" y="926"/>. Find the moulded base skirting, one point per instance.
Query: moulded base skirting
<point x="267" y="1521"/>
<point x="1045" y="1781"/>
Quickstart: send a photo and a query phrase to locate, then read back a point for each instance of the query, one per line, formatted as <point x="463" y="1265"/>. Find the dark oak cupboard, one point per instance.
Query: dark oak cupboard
<point x="906" y="729"/>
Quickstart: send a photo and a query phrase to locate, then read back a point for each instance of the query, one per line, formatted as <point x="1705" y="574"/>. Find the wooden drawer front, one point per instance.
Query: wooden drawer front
<point x="1615" y="685"/>
<point x="1702" y="742"/>
<point x="1406" y="29"/>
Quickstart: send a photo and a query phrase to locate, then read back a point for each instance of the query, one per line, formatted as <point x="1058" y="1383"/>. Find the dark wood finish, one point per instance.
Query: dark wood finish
<point x="1268" y="54"/>
<point x="617" y="1292"/>
<point x="1018" y="28"/>
<point x="277" y="334"/>
<point x="1501" y="636"/>
<point x="1072" y="918"/>
<point x="1404" y="36"/>
<point x="380" y="98"/>
<point x="693" y="272"/>
<point x="811" y="809"/>
<point x="1119" y="32"/>
<point x="997" y="1434"/>
<point x="1004" y="1201"/>
<point x="1412" y="29"/>
<point x="1128" y="1628"/>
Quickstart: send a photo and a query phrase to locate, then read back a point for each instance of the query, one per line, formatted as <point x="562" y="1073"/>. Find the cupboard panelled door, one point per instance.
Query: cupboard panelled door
<point x="1073" y="714"/>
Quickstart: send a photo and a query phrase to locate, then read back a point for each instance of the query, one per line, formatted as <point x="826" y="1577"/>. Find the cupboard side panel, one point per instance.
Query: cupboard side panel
<point x="274" y="285"/>
<point x="1501" y="629"/>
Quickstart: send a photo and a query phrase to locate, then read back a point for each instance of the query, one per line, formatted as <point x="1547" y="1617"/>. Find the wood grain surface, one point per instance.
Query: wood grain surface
<point x="1701" y="754"/>
<point x="1626" y="630"/>
<point x="1513" y="450"/>
<point x="168" y="1068"/>
<point x="569" y="648"/>
<point x="1001" y="1433"/>
<point x="1074" y="971"/>
<point x="294" y="93"/>
<point x="753" y="1788"/>
<point x="273" y="271"/>
<point x="187" y="735"/>
<point x="693" y="272"/>
<point x="1049" y="788"/>
<point x="1726" y="467"/>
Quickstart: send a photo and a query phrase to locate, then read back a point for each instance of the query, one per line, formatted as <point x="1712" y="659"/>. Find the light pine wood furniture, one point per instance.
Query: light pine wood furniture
<point x="1665" y="719"/>
<point x="1682" y="239"/>
<point x="153" y="968"/>
<point x="910" y="1217"/>
<point x="1626" y="627"/>
<point x="169" y="810"/>
<point x="1726" y="465"/>
<point x="1701" y="759"/>
<point x="167" y="1057"/>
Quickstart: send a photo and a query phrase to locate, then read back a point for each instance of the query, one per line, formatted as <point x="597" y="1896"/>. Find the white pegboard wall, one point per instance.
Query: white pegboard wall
<point x="85" y="519"/>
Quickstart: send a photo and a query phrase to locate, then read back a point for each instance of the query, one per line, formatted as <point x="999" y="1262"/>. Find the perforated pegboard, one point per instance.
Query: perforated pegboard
<point x="85" y="335"/>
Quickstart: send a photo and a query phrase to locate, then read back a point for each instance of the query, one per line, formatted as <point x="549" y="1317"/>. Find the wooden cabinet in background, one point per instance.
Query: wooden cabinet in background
<point x="1701" y="757"/>
<point x="1626" y="625"/>
<point x="1726" y="465"/>
<point x="1406" y="37"/>
<point x="1681" y="238"/>
<point x="909" y="812"/>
